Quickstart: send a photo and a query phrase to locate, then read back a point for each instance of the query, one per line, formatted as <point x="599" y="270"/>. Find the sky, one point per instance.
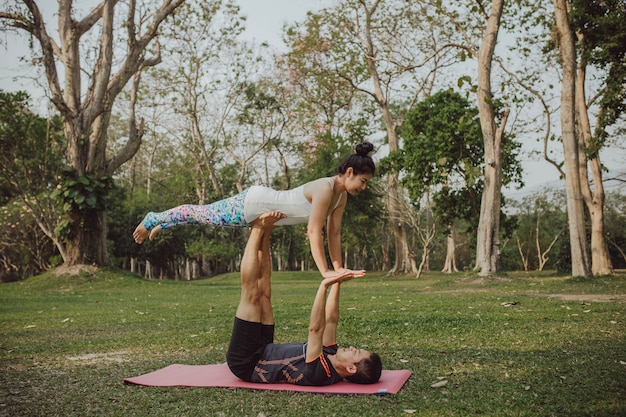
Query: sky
<point x="265" y="19"/>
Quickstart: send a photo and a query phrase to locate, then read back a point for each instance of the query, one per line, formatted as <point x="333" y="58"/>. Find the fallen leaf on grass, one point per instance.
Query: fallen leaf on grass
<point x="440" y="384"/>
<point x="509" y="303"/>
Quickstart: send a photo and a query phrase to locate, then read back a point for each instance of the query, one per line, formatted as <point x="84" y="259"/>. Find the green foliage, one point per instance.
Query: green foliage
<point x="78" y="195"/>
<point x="442" y="144"/>
<point x="31" y="157"/>
<point x="83" y="192"/>
<point x="540" y="219"/>
<point x="322" y="155"/>
<point x="256" y="100"/>
<point x="615" y="228"/>
<point x="555" y="350"/>
<point x="217" y="249"/>
<point x="32" y="147"/>
<point x="603" y="26"/>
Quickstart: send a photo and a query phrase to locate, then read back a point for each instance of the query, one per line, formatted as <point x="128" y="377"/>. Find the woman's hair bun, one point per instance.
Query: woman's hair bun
<point x="364" y="148"/>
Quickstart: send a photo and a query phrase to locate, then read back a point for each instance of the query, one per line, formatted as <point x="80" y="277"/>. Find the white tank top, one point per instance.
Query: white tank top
<point x="292" y="203"/>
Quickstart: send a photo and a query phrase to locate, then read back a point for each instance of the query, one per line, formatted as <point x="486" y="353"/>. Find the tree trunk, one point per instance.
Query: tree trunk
<point x="450" y="264"/>
<point x="594" y="199"/>
<point x="86" y="242"/>
<point x="575" y="209"/>
<point x="488" y="242"/>
<point x="523" y="255"/>
<point x="403" y="261"/>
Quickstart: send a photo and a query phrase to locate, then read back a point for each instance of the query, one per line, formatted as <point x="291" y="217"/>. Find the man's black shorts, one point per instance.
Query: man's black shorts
<point x="247" y="343"/>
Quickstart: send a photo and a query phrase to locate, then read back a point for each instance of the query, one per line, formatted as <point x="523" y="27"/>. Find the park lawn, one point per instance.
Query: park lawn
<point x="514" y="345"/>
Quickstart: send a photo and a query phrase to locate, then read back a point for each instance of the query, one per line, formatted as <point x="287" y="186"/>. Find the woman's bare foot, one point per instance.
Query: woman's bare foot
<point x="155" y="231"/>
<point x="141" y="233"/>
<point x="267" y="220"/>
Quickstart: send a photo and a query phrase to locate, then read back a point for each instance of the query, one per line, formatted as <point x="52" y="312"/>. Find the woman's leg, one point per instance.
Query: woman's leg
<point x="225" y="213"/>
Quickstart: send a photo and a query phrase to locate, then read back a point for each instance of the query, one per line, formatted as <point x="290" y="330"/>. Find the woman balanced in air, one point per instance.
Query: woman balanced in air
<point x="315" y="203"/>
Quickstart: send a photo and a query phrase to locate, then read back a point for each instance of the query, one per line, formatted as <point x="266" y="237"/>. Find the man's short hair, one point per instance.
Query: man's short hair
<point x="368" y="370"/>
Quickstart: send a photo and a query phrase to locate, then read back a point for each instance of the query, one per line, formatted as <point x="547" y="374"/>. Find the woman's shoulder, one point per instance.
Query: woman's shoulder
<point x="318" y="186"/>
<point x="325" y="183"/>
<point x="324" y="180"/>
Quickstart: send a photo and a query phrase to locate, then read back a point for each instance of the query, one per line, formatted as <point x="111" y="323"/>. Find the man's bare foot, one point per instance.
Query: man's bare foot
<point x="267" y="220"/>
<point x="141" y="233"/>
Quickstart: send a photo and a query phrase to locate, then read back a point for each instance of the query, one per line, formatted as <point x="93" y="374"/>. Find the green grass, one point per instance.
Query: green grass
<point x="67" y="342"/>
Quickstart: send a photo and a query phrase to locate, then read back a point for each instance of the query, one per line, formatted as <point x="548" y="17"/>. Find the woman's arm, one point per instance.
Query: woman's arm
<point x="321" y="194"/>
<point x="334" y="233"/>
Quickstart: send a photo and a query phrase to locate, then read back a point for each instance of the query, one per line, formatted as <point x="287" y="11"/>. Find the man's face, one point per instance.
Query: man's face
<point x="352" y="354"/>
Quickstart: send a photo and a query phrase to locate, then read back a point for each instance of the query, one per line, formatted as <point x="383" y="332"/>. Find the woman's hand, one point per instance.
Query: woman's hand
<point x="342" y="275"/>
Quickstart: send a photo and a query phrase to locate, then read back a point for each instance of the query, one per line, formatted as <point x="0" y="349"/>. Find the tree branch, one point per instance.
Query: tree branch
<point x="135" y="135"/>
<point x="49" y="49"/>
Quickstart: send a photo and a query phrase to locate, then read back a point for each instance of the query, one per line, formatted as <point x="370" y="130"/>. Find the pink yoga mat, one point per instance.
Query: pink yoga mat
<point x="220" y="376"/>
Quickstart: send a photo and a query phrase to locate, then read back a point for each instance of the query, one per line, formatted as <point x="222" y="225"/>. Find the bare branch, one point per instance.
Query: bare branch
<point x="49" y="48"/>
<point x="135" y="134"/>
<point x="482" y="9"/>
<point x="92" y="18"/>
<point x="137" y="47"/>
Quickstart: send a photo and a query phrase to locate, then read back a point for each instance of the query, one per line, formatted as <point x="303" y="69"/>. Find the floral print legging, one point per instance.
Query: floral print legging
<point x="224" y="213"/>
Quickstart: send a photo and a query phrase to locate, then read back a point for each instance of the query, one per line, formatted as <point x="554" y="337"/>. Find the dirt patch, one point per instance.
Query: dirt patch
<point x="75" y="270"/>
<point x="597" y="298"/>
<point x="99" y="358"/>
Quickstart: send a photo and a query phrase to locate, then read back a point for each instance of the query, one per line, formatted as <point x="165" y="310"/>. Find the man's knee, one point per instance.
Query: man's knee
<point x="252" y="297"/>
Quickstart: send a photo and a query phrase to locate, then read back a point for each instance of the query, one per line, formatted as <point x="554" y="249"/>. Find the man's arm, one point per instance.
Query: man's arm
<point x="332" y="316"/>
<point x="317" y="324"/>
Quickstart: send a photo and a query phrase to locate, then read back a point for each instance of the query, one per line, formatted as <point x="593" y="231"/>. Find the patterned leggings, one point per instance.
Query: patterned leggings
<point x="224" y="213"/>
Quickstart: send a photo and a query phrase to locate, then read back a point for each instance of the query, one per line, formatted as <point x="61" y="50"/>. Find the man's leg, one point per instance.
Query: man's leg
<point x="256" y="266"/>
<point x="264" y="281"/>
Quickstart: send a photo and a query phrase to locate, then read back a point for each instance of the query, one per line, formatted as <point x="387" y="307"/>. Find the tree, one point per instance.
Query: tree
<point x="488" y="240"/>
<point x="442" y="151"/>
<point x="31" y="158"/>
<point x="541" y="222"/>
<point x="597" y="29"/>
<point x="443" y="155"/>
<point x="571" y="149"/>
<point x="600" y="28"/>
<point x="86" y="111"/>
<point x="376" y="47"/>
<point x="482" y="20"/>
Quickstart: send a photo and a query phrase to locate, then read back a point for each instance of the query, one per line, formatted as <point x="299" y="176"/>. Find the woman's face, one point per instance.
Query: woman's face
<point x="355" y="183"/>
